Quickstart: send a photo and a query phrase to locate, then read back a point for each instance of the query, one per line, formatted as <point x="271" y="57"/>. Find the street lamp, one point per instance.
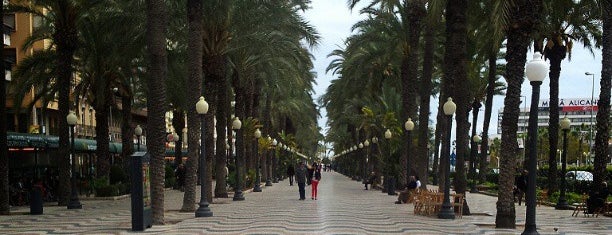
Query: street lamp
<point x="274" y="172"/>
<point x="536" y="70"/>
<point x="74" y="202"/>
<point x="409" y="126"/>
<point x="138" y="132"/>
<point x="269" y="165"/>
<point x="236" y="125"/>
<point x="203" y="209"/>
<point x="389" y="180"/>
<point x="257" y="187"/>
<point x="366" y="143"/>
<point x="475" y="141"/>
<point x="447" y="209"/>
<point x="591" y="104"/>
<point x="562" y="202"/>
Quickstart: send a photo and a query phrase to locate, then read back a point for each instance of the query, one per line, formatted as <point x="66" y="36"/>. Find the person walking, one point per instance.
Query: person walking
<point x="300" y="178"/>
<point x="315" y="183"/>
<point x="290" y="173"/>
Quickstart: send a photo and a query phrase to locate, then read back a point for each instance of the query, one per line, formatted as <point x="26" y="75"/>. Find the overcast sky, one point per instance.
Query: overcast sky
<point x="333" y="21"/>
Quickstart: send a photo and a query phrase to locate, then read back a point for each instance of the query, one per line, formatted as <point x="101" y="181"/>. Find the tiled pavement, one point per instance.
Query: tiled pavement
<point x="343" y="207"/>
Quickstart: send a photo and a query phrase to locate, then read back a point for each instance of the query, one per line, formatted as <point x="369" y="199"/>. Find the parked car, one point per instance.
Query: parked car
<point x="579" y="175"/>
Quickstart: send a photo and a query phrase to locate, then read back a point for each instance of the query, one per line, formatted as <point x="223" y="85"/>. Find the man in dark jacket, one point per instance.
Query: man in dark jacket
<point x="300" y="177"/>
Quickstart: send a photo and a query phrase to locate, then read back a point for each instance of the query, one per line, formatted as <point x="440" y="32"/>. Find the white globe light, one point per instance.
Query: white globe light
<point x="409" y="125"/>
<point x="449" y="107"/>
<point x="202" y="106"/>
<point x="537" y="69"/>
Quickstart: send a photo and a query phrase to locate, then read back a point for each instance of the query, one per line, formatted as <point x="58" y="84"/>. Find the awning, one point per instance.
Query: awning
<point x="23" y="140"/>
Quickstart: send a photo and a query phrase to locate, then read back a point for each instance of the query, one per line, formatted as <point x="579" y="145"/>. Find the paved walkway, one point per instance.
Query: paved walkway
<point x="343" y="207"/>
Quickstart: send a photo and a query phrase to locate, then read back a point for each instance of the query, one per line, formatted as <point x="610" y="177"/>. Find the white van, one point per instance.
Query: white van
<point x="579" y="175"/>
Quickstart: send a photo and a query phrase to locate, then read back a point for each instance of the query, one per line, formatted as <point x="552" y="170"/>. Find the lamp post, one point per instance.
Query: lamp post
<point x="536" y="70"/>
<point x="274" y="172"/>
<point x="390" y="180"/>
<point x="409" y="126"/>
<point x="269" y="165"/>
<point x="360" y="146"/>
<point x="447" y="209"/>
<point x="74" y="202"/>
<point x="203" y="209"/>
<point x="591" y="103"/>
<point x="562" y="202"/>
<point x="257" y="187"/>
<point x="236" y="125"/>
<point x="475" y="141"/>
<point x="138" y="132"/>
<point x="366" y="143"/>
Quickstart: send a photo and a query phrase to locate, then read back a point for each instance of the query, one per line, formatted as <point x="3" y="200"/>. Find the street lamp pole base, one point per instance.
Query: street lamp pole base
<point x="530" y="230"/>
<point x="203" y="210"/>
<point x="238" y="196"/>
<point x="446" y="212"/>
<point x="74" y="204"/>
<point x="562" y="205"/>
<point x="268" y="182"/>
<point x="257" y="188"/>
<point x="473" y="190"/>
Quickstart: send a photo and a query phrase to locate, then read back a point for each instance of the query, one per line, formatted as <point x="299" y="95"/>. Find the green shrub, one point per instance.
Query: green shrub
<point x="117" y="175"/>
<point x="106" y="191"/>
<point x="170" y="179"/>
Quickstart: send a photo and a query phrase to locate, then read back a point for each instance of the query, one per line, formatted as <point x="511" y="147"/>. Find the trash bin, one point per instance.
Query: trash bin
<point x="36" y="201"/>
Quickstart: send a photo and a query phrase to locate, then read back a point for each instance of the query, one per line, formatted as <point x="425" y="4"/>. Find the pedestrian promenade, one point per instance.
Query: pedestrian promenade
<point x="343" y="207"/>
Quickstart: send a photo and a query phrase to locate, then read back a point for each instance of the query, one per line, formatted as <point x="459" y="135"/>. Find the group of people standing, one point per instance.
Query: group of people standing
<point x="306" y="175"/>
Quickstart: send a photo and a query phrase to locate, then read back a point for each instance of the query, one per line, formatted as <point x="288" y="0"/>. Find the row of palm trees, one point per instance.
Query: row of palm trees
<point x="250" y="59"/>
<point x="405" y="51"/>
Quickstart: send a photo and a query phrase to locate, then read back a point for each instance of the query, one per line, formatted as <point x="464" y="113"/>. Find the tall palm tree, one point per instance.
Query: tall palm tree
<point x="60" y="19"/>
<point x="603" y="105"/>
<point x="194" y="72"/>
<point x="519" y="20"/>
<point x="156" y="101"/>
<point x="566" y="21"/>
<point x="5" y="208"/>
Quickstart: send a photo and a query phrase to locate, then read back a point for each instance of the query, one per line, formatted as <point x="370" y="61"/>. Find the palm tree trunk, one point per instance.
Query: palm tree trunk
<point x="439" y="165"/>
<point x="603" y="105"/>
<point x="555" y="55"/>
<point x="424" y="98"/>
<point x="523" y="17"/>
<point x="456" y="70"/>
<point x="221" y="149"/>
<point x="194" y="71"/>
<point x="66" y="39"/>
<point x="156" y="102"/>
<point x="484" y="146"/>
<point x="5" y="208"/>
<point x="102" y="140"/>
<point x="127" y="130"/>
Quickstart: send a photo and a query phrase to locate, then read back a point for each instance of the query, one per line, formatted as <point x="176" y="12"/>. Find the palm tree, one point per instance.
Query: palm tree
<point x="194" y="67"/>
<point x="523" y="16"/>
<point x="603" y="105"/>
<point x="456" y="82"/>
<point x="5" y="208"/>
<point x="156" y="101"/>
<point x="60" y="19"/>
<point x="566" y="21"/>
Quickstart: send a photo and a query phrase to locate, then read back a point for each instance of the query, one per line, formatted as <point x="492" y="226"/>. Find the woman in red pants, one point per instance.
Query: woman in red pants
<point x="315" y="184"/>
